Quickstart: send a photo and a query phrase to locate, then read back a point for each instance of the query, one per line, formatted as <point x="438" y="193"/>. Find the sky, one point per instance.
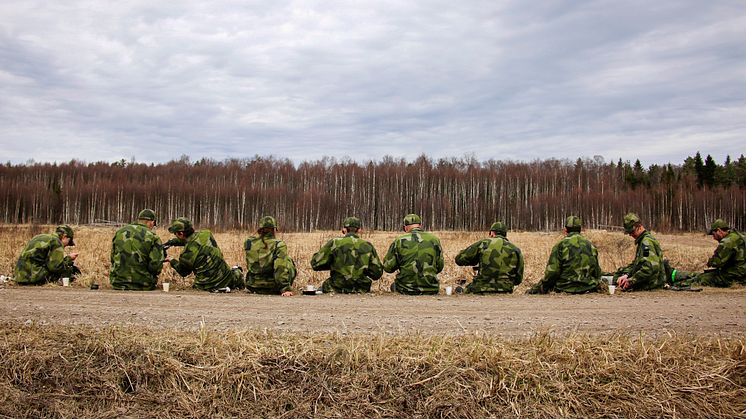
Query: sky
<point x="506" y="80"/>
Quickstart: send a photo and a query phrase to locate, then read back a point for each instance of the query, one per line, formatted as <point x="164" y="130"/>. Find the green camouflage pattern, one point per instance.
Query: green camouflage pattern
<point x="572" y="267"/>
<point x="146" y="214"/>
<point x="418" y="256"/>
<point x="410" y="219"/>
<point x="136" y="258"/>
<point x="500" y="265"/>
<point x="180" y="224"/>
<point x="270" y="270"/>
<point x="646" y="272"/>
<point x="499" y="228"/>
<point x="203" y="257"/>
<point x="352" y="222"/>
<point x="718" y="224"/>
<point x="573" y="223"/>
<point x="630" y="220"/>
<point x="267" y="222"/>
<point x="42" y="260"/>
<point x="66" y="230"/>
<point x="728" y="262"/>
<point x="353" y="263"/>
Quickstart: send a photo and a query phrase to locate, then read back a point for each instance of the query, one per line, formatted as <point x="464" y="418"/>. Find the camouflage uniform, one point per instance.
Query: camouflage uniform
<point x="418" y="256"/>
<point x="728" y="261"/>
<point x="270" y="270"/>
<point x="573" y="263"/>
<point x="43" y="259"/>
<point x="647" y="271"/>
<point x="500" y="263"/>
<point x="136" y="256"/>
<point x="353" y="262"/>
<point x="202" y="256"/>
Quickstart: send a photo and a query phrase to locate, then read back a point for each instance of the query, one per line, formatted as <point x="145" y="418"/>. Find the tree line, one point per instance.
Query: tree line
<point x="449" y="193"/>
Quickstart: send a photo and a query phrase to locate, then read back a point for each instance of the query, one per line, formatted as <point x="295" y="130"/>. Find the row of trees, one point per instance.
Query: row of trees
<point x="456" y="193"/>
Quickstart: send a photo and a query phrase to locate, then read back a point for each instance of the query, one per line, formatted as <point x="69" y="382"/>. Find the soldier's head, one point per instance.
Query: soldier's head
<point x="498" y="228"/>
<point x="181" y="227"/>
<point x="412" y="221"/>
<point x="65" y="233"/>
<point x="267" y="225"/>
<point x="351" y="225"/>
<point x="147" y="217"/>
<point x="573" y="224"/>
<point x="633" y="225"/>
<point x="718" y="229"/>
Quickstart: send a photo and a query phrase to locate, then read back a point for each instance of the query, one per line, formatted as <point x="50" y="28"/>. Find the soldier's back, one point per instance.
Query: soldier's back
<point x="131" y="264"/>
<point x="31" y="267"/>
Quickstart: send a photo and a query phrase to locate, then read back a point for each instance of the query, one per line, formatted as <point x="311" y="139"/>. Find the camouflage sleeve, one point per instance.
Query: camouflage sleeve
<point x="321" y="260"/>
<point x="284" y="267"/>
<point x="644" y="268"/>
<point x="722" y="255"/>
<point x="470" y="256"/>
<point x="391" y="260"/>
<point x="375" y="269"/>
<point x="519" y="270"/>
<point x="185" y="264"/>
<point x="596" y="266"/>
<point x="554" y="268"/>
<point x="56" y="261"/>
<point x="439" y="261"/>
<point x="155" y="265"/>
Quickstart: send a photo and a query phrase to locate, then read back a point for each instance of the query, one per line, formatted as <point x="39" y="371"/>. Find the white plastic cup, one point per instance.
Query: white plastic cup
<point x="310" y="288"/>
<point x="65" y="282"/>
<point x="612" y="288"/>
<point x="166" y="286"/>
<point x="449" y="290"/>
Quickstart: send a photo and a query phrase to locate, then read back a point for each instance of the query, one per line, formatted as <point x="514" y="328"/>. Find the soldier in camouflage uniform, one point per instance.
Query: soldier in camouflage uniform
<point x="647" y="271"/>
<point x="270" y="270"/>
<point x="353" y="262"/>
<point x="202" y="256"/>
<point x="136" y="255"/>
<point x="418" y="256"/>
<point x="43" y="259"/>
<point x="728" y="263"/>
<point x="573" y="264"/>
<point x="500" y="262"/>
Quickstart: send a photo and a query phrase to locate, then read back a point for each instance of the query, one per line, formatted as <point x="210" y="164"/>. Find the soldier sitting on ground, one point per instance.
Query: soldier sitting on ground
<point x="647" y="271"/>
<point x="43" y="259"/>
<point x="573" y="264"/>
<point x="270" y="270"/>
<point x="499" y="262"/>
<point x="202" y="256"/>
<point x="418" y="256"/>
<point x="136" y="255"/>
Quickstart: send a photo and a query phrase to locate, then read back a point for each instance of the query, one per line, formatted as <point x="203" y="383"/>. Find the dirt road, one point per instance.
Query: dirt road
<point x="652" y="313"/>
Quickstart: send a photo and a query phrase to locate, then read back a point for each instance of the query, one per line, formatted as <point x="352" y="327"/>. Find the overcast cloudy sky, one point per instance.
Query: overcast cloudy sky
<point x="520" y="80"/>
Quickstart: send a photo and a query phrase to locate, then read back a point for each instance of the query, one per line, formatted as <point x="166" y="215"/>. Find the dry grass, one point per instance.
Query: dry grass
<point x="686" y="251"/>
<point x="84" y="372"/>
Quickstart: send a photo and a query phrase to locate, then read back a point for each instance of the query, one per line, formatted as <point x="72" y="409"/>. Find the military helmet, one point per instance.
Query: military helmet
<point x="412" y="219"/>
<point x="630" y="221"/>
<point x="146" y="214"/>
<point x="499" y="227"/>
<point x="573" y="223"/>
<point x="180" y="224"/>
<point x="66" y="230"/>
<point x="352" y="222"/>
<point x="267" y="222"/>
<point x="718" y="224"/>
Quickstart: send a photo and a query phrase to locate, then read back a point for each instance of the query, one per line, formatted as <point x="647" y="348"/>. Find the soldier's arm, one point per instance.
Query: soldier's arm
<point x="470" y="255"/>
<point x="375" y="268"/>
<point x="723" y="254"/>
<point x="284" y="268"/>
<point x="439" y="261"/>
<point x="56" y="260"/>
<point x="155" y="256"/>
<point x="646" y="266"/>
<point x="184" y="265"/>
<point x="391" y="261"/>
<point x="518" y="278"/>
<point x="553" y="268"/>
<point x="321" y="260"/>
<point x="596" y="266"/>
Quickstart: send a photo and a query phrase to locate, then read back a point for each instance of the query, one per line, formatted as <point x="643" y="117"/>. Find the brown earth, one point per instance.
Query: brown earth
<point x="710" y="312"/>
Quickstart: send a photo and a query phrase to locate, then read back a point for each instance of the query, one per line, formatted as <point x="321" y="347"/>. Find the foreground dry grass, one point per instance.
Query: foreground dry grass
<point x="84" y="372"/>
<point x="686" y="251"/>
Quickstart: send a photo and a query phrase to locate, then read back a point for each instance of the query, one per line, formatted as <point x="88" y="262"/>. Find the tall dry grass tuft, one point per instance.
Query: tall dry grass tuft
<point x="686" y="251"/>
<point x="83" y="372"/>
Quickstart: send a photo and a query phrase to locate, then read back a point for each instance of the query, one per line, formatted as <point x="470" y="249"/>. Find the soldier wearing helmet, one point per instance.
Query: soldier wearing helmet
<point x="136" y="255"/>
<point x="269" y="268"/>
<point x="43" y="259"/>
<point x="647" y="271"/>
<point x="498" y="262"/>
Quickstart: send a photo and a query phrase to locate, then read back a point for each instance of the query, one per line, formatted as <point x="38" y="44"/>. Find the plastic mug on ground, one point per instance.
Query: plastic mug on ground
<point x="310" y="288"/>
<point x="449" y="290"/>
<point x="612" y="288"/>
<point x="65" y="282"/>
<point x="166" y="286"/>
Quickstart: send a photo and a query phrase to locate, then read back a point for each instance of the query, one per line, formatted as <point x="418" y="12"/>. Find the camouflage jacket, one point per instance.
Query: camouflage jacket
<point x="572" y="267"/>
<point x="202" y="256"/>
<point x="730" y="257"/>
<point x="353" y="263"/>
<point x="418" y="256"/>
<point x="136" y="258"/>
<point x="500" y="265"/>
<point x="646" y="272"/>
<point x="42" y="260"/>
<point x="269" y="267"/>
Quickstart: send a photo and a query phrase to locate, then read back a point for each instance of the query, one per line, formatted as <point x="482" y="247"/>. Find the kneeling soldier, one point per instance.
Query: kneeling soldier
<point x="43" y="259"/>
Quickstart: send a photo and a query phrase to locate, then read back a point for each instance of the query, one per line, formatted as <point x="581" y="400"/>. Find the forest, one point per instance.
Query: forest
<point x="450" y="194"/>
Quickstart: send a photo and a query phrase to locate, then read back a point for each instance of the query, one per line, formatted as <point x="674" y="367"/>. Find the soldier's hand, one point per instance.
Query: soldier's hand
<point x="73" y="256"/>
<point x="287" y="294"/>
<point x="623" y="282"/>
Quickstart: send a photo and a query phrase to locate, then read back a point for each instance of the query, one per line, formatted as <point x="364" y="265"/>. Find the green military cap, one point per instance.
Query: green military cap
<point x="630" y="220"/>
<point x="66" y="230"/>
<point x="499" y="227"/>
<point x="146" y="214"/>
<point x="412" y="219"/>
<point x="267" y="222"/>
<point x="718" y="224"/>
<point x="352" y="222"/>
<point x="180" y="224"/>
<point x="573" y="223"/>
